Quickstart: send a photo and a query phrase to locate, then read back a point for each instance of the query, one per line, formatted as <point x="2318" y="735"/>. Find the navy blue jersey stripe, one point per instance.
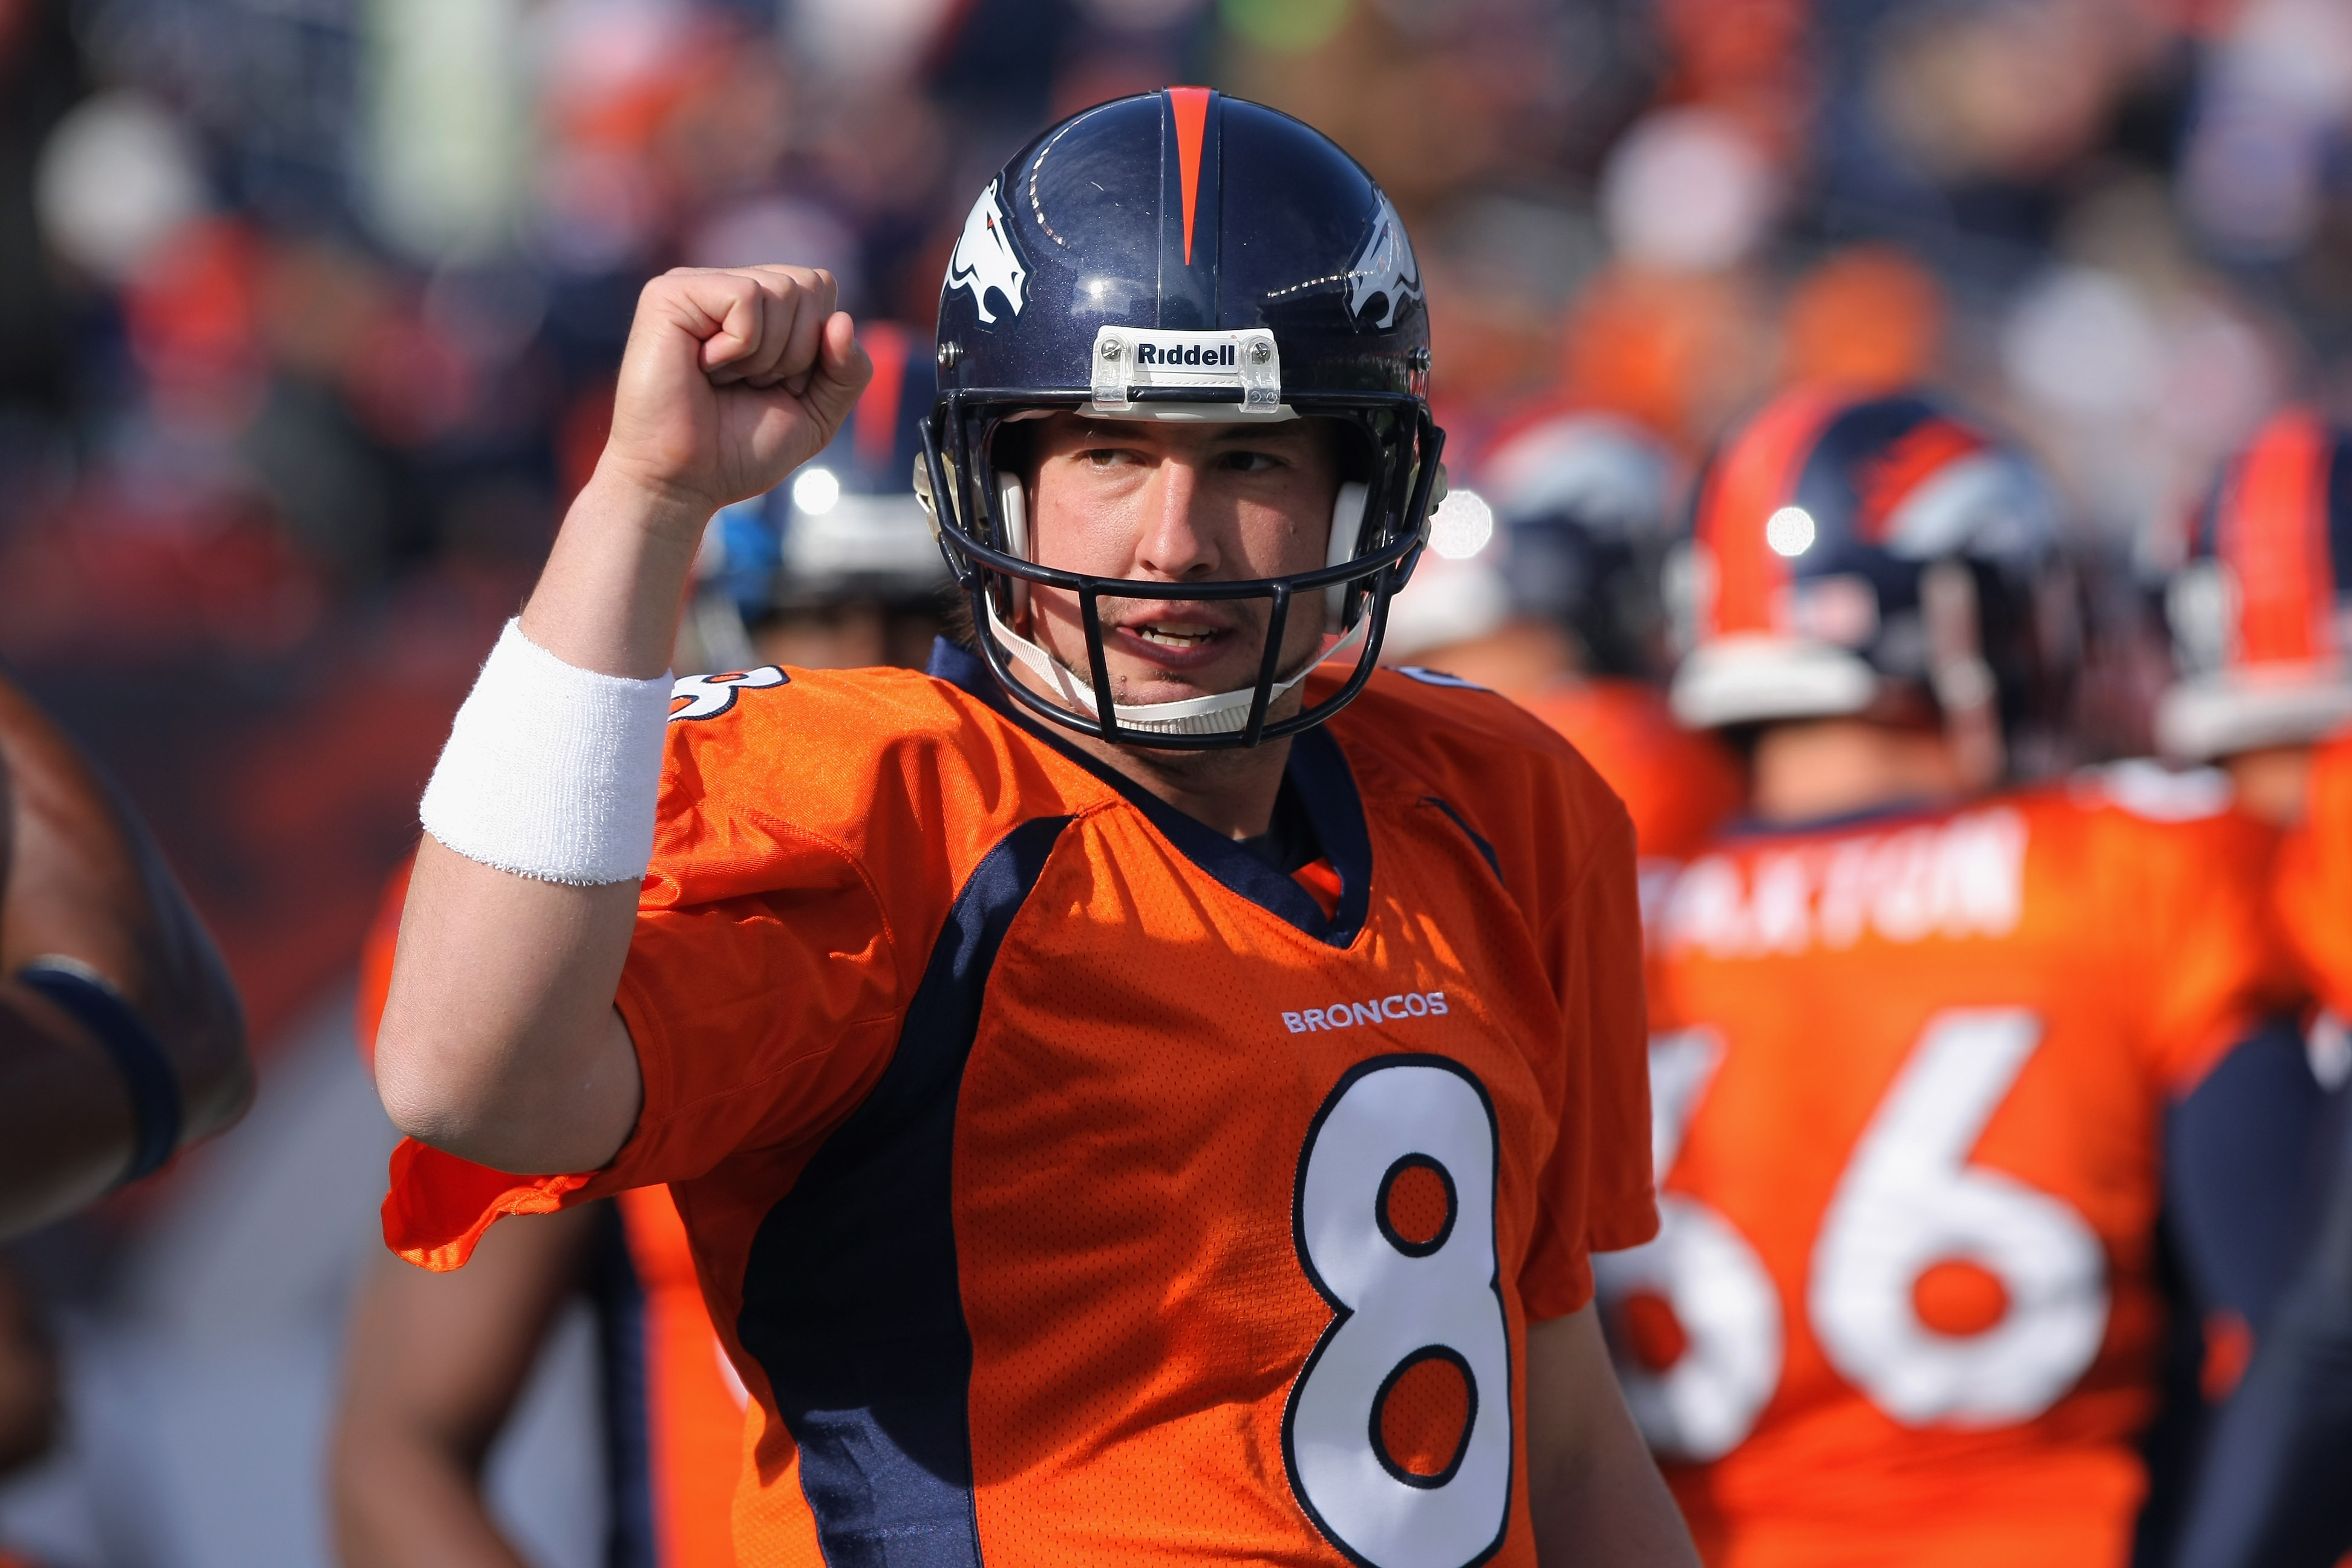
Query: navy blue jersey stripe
<point x="1476" y="839"/>
<point x="850" y="1295"/>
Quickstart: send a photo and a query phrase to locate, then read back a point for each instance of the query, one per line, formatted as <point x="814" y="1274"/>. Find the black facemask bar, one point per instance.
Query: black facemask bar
<point x="1406" y="444"/>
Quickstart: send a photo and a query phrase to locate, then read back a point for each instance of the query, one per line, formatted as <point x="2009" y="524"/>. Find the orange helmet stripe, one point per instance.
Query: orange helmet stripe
<point x="1755" y="477"/>
<point x="2272" y="533"/>
<point x="1191" y="106"/>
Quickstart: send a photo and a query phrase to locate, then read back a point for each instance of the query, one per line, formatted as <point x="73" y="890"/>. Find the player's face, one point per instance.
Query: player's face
<point x="1168" y="502"/>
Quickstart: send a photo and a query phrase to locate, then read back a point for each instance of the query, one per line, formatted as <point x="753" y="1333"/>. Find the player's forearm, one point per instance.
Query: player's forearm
<point x="610" y="597"/>
<point x="1594" y="1493"/>
<point x="83" y="882"/>
<point x="500" y="1043"/>
<point x="400" y="1501"/>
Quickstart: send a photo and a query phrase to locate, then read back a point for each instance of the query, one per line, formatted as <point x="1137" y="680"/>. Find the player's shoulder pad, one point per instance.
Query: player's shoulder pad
<point x="2137" y="827"/>
<point x="835" y="734"/>
<point x="1412" y="711"/>
<point x="1473" y="747"/>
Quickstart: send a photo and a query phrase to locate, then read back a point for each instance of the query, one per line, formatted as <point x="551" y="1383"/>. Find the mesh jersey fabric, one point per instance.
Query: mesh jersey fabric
<point x="992" y="1089"/>
<point x="1910" y="1083"/>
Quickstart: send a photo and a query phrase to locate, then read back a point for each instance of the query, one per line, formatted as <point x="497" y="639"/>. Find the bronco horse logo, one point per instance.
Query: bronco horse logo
<point x="1386" y="271"/>
<point x="984" y="258"/>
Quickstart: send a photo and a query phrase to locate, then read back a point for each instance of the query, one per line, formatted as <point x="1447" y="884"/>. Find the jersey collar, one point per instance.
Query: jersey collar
<point x="1318" y="771"/>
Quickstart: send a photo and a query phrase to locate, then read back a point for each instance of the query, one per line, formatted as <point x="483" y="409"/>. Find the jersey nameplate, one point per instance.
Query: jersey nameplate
<point x="1964" y="878"/>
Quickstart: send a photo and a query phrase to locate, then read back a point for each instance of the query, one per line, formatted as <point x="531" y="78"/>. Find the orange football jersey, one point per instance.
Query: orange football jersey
<point x="1907" y="1106"/>
<point x="2313" y="886"/>
<point x="1678" y="785"/>
<point x="1070" y="1184"/>
<point x="670" y="1389"/>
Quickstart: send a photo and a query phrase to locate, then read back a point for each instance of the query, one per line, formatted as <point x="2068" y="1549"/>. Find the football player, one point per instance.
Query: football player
<point x="1587" y="501"/>
<point x="1132" y="1092"/>
<point x="1926" y="1034"/>
<point x="121" y="1038"/>
<point x="2258" y="615"/>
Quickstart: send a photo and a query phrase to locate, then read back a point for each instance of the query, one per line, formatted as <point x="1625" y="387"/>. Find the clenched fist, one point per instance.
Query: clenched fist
<point x="733" y="377"/>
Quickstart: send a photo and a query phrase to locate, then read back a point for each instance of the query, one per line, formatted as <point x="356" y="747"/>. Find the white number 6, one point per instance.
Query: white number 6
<point x="1395" y="1225"/>
<point x="1909" y="1199"/>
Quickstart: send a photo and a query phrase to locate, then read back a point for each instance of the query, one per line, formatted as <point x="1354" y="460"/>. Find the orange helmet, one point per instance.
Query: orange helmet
<point x="1846" y="544"/>
<point x="2261" y="609"/>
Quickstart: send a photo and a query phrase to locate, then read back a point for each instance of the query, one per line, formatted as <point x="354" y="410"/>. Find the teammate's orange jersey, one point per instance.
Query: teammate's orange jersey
<point x="1907" y="1117"/>
<point x="1678" y="785"/>
<point x="2313" y="879"/>
<point x="692" y="1403"/>
<point x="1068" y="1184"/>
<point x="674" y="1401"/>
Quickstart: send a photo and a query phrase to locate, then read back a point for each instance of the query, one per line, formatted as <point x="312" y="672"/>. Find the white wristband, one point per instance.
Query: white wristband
<point x="552" y="772"/>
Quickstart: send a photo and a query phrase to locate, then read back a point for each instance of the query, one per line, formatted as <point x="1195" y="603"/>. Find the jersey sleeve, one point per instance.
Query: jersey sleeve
<point x="765" y="978"/>
<point x="2313" y="886"/>
<point x="1598" y="1192"/>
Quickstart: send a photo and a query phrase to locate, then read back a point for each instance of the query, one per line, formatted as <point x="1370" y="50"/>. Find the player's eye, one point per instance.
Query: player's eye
<point x="1109" y="456"/>
<point x="1253" y="462"/>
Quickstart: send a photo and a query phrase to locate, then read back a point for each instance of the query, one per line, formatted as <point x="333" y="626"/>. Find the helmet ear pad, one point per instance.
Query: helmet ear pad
<point x="1013" y="511"/>
<point x="1346" y="537"/>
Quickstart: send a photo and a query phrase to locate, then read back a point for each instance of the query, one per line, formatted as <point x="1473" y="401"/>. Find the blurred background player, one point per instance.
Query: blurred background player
<point x="835" y="569"/>
<point x="832" y="572"/>
<point x="1561" y="612"/>
<point x="2258" y="614"/>
<point x="121" y="1036"/>
<point x="1930" y="1030"/>
<point x="121" y="1040"/>
<point x="2260" y="610"/>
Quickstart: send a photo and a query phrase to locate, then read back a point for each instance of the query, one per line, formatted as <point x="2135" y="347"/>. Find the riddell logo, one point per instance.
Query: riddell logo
<point x="1185" y="355"/>
<point x="1348" y="1015"/>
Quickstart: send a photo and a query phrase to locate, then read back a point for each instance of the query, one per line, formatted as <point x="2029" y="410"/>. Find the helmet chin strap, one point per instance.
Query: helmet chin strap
<point x="1222" y="713"/>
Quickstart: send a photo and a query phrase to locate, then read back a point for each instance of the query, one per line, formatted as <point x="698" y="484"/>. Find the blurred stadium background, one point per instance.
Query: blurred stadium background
<point x="308" y="311"/>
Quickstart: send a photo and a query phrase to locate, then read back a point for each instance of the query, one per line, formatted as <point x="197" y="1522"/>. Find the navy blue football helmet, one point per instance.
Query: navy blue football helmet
<point x="1182" y="254"/>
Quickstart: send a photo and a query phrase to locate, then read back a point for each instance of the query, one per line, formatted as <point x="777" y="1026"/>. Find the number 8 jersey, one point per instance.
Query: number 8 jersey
<point x="1072" y="1184"/>
<point x="1907" y="1100"/>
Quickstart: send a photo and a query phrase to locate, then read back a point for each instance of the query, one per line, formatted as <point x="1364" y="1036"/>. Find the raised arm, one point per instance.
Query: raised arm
<point x="134" y="1045"/>
<point x="500" y="1041"/>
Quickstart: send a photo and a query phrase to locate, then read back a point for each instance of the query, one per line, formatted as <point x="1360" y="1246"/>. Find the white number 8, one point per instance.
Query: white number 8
<point x="1395" y="1225"/>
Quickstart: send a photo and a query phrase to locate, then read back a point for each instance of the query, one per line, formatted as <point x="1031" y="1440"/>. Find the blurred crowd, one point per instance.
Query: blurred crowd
<point x="310" y="308"/>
